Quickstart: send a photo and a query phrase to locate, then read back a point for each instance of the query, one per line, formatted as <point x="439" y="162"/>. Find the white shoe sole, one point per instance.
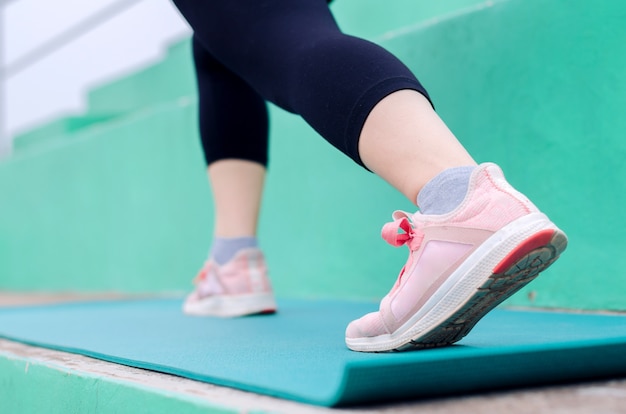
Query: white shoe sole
<point x="231" y="305"/>
<point x="511" y="258"/>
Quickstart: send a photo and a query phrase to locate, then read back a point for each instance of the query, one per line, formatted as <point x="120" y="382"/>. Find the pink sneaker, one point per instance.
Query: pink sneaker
<point x="461" y="265"/>
<point x="237" y="288"/>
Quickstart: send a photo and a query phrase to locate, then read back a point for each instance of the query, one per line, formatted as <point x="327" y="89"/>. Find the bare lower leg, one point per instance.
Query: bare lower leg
<point x="237" y="191"/>
<point x="403" y="140"/>
<point x="406" y="143"/>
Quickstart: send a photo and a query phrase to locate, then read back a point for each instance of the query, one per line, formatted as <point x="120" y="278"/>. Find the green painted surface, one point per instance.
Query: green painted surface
<point x="536" y="86"/>
<point x="31" y="386"/>
<point x="116" y="217"/>
<point x="373" y="18"/>
<point x="120" y="208"/>
<point x="57" y="130"/>
<point x="161" y="82"/>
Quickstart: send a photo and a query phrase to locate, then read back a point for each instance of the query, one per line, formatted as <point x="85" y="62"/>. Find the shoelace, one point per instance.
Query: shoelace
<point x="206" y="286"/>
<point x="201" y="276"/>
<point x="392" y="233"/>
<point x="400" y="232"/>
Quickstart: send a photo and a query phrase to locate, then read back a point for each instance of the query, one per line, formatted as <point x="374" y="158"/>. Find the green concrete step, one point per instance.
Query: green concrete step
<point x="57" y="131"/>
<point x="164" y="81"/>
<point x="536" y="86"/>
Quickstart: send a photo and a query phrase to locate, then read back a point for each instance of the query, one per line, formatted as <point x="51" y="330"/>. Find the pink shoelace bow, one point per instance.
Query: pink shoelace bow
<point x="202" y="273"/>
<point x="392" y="233"/>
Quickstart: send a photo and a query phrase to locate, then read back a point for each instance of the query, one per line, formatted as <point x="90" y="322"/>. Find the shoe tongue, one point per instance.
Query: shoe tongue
<point x="400" y="214"/>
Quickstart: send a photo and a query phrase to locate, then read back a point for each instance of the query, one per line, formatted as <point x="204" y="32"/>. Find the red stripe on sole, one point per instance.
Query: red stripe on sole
<point x="535" y="241"/>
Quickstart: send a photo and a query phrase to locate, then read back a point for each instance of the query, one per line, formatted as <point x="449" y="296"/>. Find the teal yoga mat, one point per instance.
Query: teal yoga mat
<point x="299" y="353"/>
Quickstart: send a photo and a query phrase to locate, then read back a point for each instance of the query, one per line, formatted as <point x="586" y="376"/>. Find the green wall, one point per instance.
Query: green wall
<point x="537" y="86"/>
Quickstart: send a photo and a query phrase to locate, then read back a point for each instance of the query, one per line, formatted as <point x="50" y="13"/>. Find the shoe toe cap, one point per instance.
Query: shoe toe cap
<point x="367" y="326"/>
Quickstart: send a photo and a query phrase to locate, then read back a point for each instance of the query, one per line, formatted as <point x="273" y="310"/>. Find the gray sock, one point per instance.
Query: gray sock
<point x="445" y="192"/>
<point x="225" y="248"/>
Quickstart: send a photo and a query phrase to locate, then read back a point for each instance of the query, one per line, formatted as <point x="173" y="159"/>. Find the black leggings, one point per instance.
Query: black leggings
<point x="291" y="53"/>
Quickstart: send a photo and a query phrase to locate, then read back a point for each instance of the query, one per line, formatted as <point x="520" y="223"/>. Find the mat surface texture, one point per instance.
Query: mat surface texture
<point x="299" y="352"/>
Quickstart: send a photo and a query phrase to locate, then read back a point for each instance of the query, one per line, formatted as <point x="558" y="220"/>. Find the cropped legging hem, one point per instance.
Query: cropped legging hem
<point x="366" y="104"/>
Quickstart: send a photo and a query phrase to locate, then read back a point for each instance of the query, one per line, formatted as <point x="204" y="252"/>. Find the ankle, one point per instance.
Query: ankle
<point x="223" y="249"/>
